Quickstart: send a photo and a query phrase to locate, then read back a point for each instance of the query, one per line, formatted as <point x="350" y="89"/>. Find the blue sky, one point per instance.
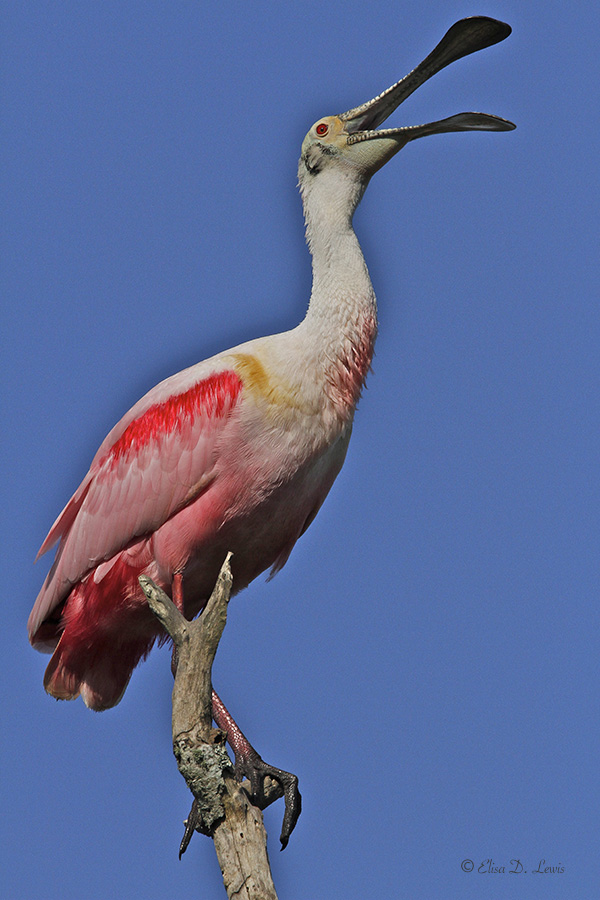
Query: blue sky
<point x="427" y="660"/>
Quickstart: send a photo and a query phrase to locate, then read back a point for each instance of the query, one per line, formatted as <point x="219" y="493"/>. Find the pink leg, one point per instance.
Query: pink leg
<point x="248" y="764"/>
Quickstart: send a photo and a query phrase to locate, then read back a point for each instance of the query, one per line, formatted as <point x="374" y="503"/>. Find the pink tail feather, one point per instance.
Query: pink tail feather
<point x="106" y="628"/>
<point x="99" y="676"/>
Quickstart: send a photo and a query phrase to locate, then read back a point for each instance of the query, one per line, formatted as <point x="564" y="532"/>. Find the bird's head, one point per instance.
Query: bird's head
<point x="351" y="140"/>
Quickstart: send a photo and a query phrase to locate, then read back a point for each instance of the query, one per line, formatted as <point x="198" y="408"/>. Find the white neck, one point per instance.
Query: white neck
<point x="342" y="314"/>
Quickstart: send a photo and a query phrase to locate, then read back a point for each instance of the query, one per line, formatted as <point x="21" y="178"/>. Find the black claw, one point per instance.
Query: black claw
<point x="190" y="827"/>
<point x="293" y="808"/>
<point x="254" y="768"/>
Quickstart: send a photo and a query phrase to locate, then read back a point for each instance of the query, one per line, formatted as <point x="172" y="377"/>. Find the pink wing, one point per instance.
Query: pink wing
<point x="154" y="461"/>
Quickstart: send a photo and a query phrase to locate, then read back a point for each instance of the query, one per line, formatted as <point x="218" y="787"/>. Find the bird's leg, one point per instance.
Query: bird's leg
<point x="247" y="762"/>
<point x="177" y="598"/>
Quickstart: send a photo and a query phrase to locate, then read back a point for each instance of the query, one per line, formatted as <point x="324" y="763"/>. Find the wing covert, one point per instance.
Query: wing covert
<point x="160" y="455"/>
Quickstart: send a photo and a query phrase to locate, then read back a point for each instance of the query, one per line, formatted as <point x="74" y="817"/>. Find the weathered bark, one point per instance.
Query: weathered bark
<point x="225" y="811"/>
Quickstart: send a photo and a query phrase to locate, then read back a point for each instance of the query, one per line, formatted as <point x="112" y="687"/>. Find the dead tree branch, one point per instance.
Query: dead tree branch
<point x="222" y="807"/>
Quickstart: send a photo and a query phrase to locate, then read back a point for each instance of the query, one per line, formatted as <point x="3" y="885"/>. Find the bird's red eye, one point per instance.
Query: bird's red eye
<point x="322" y="129"/>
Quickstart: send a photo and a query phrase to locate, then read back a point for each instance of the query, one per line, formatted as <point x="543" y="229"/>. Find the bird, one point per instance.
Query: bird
<point x="238" y="452"/>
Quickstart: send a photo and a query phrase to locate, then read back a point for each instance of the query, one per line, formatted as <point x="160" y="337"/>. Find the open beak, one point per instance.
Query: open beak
<point x="464" y="37"/>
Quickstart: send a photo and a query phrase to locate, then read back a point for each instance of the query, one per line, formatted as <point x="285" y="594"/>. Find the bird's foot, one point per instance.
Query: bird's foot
<point x="251" y="766"/>
<point x="248" y="764"/>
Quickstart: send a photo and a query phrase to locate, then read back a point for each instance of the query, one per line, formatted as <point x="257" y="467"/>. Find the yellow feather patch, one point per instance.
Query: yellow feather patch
<point x="260" y="384"/>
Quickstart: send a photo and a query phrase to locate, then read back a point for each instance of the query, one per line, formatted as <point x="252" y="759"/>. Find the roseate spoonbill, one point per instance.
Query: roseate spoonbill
<point x="237" y="452"/>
